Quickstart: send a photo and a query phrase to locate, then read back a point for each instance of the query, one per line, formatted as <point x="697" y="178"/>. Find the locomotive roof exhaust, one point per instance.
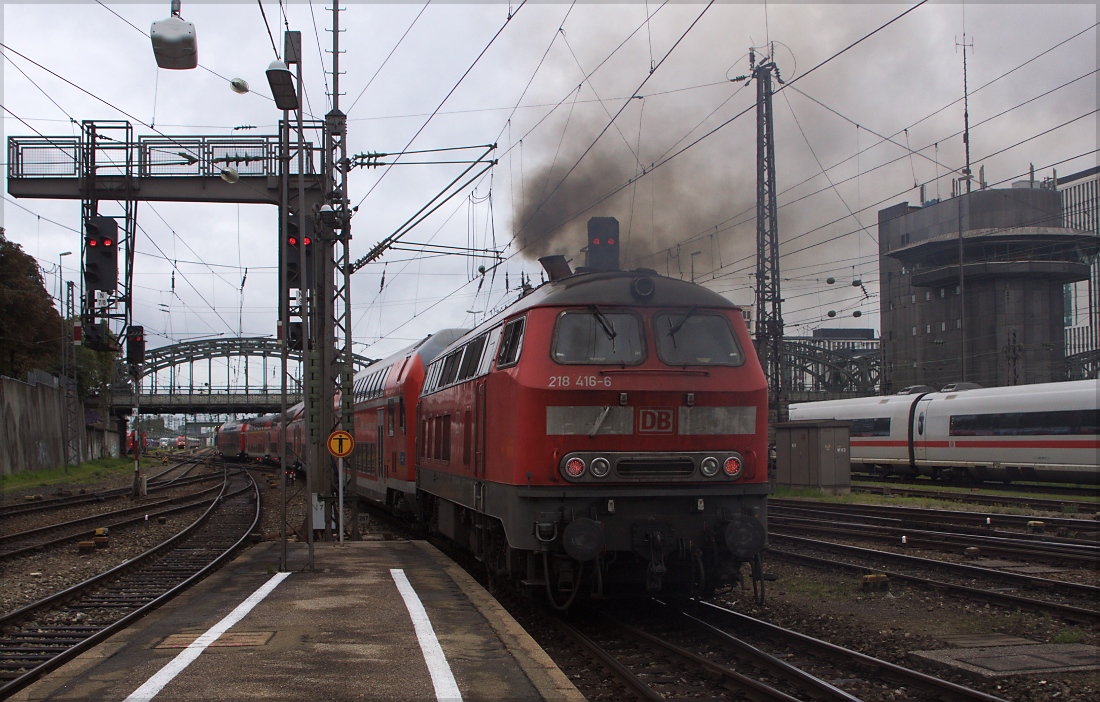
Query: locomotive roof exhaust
<point x="556" y="267"/>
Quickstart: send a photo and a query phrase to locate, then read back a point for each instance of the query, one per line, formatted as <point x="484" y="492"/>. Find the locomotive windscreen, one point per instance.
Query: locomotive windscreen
<point x="690" y="338"/>
<point x="598" y="337"/>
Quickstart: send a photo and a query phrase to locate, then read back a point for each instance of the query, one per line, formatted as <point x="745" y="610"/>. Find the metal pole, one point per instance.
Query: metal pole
<point x="66" y="338"/>
<point x="284" y="184"/>
<point x="340" y="471"/>
<point x="305" y="312"/>
<point x="962" y="296"/>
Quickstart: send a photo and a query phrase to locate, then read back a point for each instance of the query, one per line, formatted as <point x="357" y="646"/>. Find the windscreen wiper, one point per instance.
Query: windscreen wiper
<point x="608" y="327"/>
<point x="676" y="327"/>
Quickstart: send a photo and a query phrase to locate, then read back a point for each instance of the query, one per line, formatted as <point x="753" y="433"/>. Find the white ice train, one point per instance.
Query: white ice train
<point x="1047" y="432"/>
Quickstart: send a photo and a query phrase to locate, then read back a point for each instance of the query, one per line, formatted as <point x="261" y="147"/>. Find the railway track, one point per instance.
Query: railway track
<point x="1048" y="550"/>
<point x="1071" y="601"/>
<point x="13" y="545"/>
<point x="41" y="636"/>
<point x="666" y="653"/>
<point x="1087" y="503"/>
<point x="981" y="522"/>
<point x="66" y="501"/>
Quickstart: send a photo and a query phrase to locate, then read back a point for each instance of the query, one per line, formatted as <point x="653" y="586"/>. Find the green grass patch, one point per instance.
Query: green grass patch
<point x="819" y="589"/>
<point x="90" y="472"/>
<point x="1069" y="636"/>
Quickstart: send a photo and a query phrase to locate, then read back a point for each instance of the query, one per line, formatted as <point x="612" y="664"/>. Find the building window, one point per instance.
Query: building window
<point x="927" y="328"/>
<point x="914" y="298"/>
<point x="941" y="293"/>
<point x="927" y="295"/>
<point x="914" y="331"/>
<point x="958" y="289"/>
<point x="943" y="326"/>
<point x="958" y="324"/>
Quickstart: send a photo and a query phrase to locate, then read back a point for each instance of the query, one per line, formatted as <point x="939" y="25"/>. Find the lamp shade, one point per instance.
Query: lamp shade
<point x="282" y="86"/>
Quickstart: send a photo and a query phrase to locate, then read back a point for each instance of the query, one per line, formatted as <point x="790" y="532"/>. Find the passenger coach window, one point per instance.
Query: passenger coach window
<point x="878" y="426"/>
<point x="1058" y="422"/>
<point x="511" y="343"/>
<point x="694" y="338"/>
<point x="596" y="336"/>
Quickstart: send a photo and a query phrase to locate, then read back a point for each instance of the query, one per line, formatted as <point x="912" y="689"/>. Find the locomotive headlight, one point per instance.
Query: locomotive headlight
<point x="574" y="467"/>
<point x="733" y="466"/>
<point x="709" y="466"/>
<point x="600" y="467"/>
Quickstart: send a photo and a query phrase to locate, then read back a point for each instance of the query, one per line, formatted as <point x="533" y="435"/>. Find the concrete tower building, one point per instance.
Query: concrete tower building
<point x="1001" y="322"/>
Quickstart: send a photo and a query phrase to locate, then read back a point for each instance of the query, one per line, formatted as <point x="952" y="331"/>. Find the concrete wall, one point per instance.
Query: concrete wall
<point x="31" y="422"/>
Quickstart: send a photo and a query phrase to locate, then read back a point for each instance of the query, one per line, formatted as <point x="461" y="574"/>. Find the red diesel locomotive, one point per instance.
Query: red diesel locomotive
<point x="612" y="421"/>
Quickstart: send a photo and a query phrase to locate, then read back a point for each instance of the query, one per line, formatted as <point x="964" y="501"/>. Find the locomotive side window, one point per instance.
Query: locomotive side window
<point x="450" y="368"/>
<point x="595" y="337"/>
<point x="472" y="359"/>
<point x="490" y="351"/>
<point x="695" y="338"/>
<point x="511" y="343"/>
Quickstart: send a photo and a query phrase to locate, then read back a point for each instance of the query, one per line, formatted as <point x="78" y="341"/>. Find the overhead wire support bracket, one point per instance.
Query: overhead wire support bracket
<point x="432" y="205"/>
<point x="370" y="159"/>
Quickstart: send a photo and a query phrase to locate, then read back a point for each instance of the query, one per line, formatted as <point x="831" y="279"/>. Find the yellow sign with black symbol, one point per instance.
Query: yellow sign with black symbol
<point x="340" y="444"/>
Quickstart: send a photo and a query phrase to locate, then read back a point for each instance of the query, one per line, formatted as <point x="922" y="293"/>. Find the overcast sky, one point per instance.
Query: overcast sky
<point x="529" y="93"/>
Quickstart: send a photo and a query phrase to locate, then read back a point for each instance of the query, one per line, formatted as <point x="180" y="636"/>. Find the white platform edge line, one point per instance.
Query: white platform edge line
<point x="442" y="678"/>
<point x="174" y="667"/>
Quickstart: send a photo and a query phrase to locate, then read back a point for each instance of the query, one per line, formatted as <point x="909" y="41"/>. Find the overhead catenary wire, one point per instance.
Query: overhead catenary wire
<point x="385" y="60"/>
<point x="511" y="16"/>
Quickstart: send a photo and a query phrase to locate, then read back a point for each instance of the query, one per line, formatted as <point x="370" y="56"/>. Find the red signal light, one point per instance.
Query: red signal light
<point x="732" y="466"/>
<point x="107" y="242"/>
<point x="595" y="242"/>
<point x="610" y="242"/>
<point x="574" y="467"/>
<point x="307" y="241"/>
<point x="93" y="242"/>
<point x="293" y="241"/>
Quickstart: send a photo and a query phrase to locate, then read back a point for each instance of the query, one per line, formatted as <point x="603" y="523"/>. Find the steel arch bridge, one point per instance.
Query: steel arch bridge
<point x="820" y="371"/>
<point x="215" y="376"/>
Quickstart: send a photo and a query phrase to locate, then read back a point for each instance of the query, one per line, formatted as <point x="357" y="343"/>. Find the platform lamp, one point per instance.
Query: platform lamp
<point x="175" y="44"/>
<point x="283" y="90"/>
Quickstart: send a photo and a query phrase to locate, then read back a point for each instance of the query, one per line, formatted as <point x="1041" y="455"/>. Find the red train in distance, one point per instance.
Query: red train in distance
<point x="230" y="439"/>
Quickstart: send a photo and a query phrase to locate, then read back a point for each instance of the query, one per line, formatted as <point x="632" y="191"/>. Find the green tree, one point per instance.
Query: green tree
<point x="30" y="326"/>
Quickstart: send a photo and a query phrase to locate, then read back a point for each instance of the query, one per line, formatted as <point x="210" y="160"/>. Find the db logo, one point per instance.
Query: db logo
<point x="654" y="421"/>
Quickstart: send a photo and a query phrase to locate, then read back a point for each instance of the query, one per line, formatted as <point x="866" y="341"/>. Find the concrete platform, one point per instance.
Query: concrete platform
<point x="1003" y="661"/>
<point x="342" y="631"/>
